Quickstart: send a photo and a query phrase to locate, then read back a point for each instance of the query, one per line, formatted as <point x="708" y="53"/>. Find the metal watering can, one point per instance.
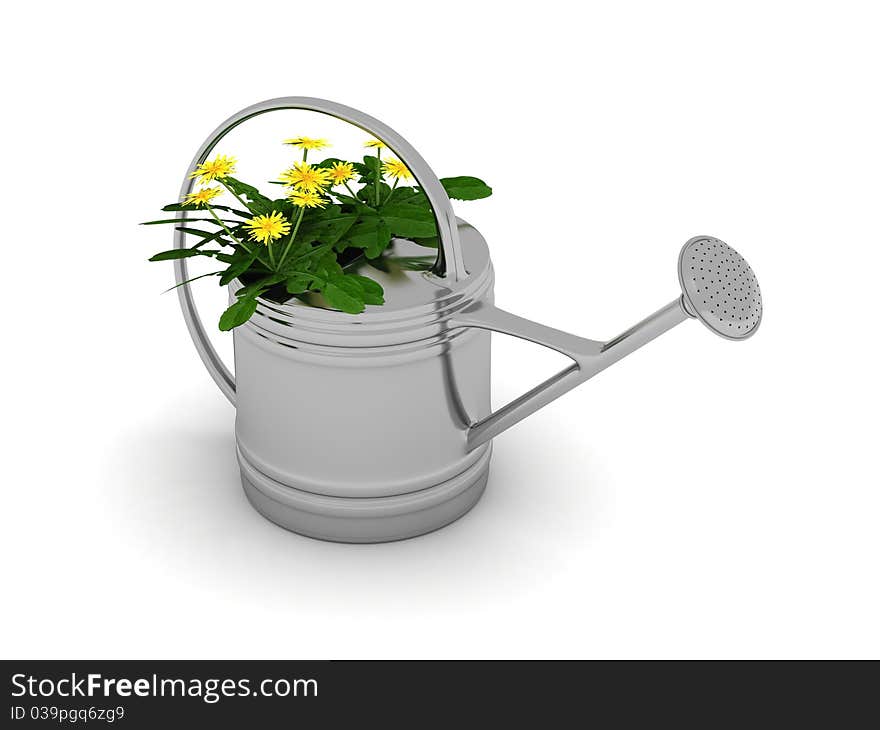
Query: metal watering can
<point x="410" y="452"/>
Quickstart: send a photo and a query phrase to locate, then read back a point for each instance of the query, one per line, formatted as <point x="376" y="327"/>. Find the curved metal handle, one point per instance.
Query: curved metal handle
<point x="590" y="357"/>
<point x="449" y="259"/>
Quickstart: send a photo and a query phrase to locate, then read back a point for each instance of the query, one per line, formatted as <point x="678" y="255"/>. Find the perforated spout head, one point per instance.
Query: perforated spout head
<point x="719" y="288"/>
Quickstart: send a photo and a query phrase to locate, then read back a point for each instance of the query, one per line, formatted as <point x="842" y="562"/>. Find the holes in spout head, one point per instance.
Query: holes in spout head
<point x="720" y="287"/>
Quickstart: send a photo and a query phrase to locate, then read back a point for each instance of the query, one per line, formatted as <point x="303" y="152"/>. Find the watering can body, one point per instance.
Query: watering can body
<point x="354" y="427"/>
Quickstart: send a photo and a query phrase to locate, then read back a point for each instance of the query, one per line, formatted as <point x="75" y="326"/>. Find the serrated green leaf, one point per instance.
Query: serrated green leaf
<point x="257" y="203"/>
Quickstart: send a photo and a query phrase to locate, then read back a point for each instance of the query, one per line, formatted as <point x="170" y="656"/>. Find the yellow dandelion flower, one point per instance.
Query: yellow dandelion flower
<point x="202" y="197"/>
<point x="396" y="169"/>
<point x="379" y="145"/>
<point x="341" y="172"/>
<point x="267" y="228"/>
<point x="306" y="199"/>
<point x="215" y="169"/>
<point x="307" y="143"/>
<point x="303" y="176"/>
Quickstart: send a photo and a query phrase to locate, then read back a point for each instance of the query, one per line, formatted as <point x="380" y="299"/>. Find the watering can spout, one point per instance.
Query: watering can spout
<point x="718" y="288"/>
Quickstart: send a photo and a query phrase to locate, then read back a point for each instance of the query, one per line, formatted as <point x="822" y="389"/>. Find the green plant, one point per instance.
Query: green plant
<point x="303" y="242"/>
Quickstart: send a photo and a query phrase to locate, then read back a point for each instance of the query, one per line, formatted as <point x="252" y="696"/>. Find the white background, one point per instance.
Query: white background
<point x="703" y="498"/>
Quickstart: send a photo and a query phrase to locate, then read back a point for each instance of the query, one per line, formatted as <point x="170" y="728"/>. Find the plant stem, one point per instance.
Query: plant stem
<point x="234" y="239"/>
<point x="378" y="172"/>
<point x="271" y="255"/>
<point x="351" y="192"/>
<point x="292" y="237"/>
<point x="235" y="195"/>
<point x="396" y="180"/>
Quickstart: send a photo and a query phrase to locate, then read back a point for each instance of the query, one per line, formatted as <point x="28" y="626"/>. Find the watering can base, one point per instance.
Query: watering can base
<point x="365" y="519"/>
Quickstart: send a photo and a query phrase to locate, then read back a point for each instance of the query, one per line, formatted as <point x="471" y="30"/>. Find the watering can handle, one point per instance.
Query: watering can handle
<point x="449" y="262"/>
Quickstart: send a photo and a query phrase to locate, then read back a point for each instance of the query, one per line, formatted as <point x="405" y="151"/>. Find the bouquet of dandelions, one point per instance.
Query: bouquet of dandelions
<point x="334" y="214"/>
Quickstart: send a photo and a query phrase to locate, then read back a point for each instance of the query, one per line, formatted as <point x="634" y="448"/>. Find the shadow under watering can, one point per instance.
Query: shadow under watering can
<point x="378" y="426"/>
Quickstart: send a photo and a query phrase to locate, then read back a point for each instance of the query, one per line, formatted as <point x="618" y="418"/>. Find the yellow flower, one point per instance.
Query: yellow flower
<point x="375" y="143"/>
<point x="396" y="169"/>
<point x="267" y="228"/>
<point x="307" y="143"/>
<point x="303" y="176"/>
<point x="202" y="197"/>
<point x="306" y="199"/>
<point x="341" y="172"/>
<point x="215" y="169"/>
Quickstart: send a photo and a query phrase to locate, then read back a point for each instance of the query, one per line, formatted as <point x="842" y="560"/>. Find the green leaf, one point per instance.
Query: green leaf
<point x="344" y="294"/>
<point x="197" y="232"/>
<point x="383" y="238"/>
<point x="230" y="258"/>
<point x="286" y="208"/>
<point x="465" y="188"/>
<point x="310" y="252"/>
<point x="327" y="227"/>
<point x="329" y="162"/>
<point x="184" y="283"/>
<point x="367" y="194"/>
<point x="257" y="203"/>
<point x="220" y="236"/>
<point x="327" y="266"/>
<point x="409" y="220"/>
<point x="432" y="242"/>
<point x="179" y="253"/>
<point x="238" y="313"/>
<point x="373" y="293"/>
<point x="172" y="207"/>
<point x="409" y="196"/>
<point x="358" y="206"/>
<point x="256" y="288"/>
<point x="347" y="199"/>
<point x="370" y="233"/>
<point x="298" y="283"/>
<point x="237" y="268"/>
<point x="367" y="170"/>
<point x="187" y="220"/>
